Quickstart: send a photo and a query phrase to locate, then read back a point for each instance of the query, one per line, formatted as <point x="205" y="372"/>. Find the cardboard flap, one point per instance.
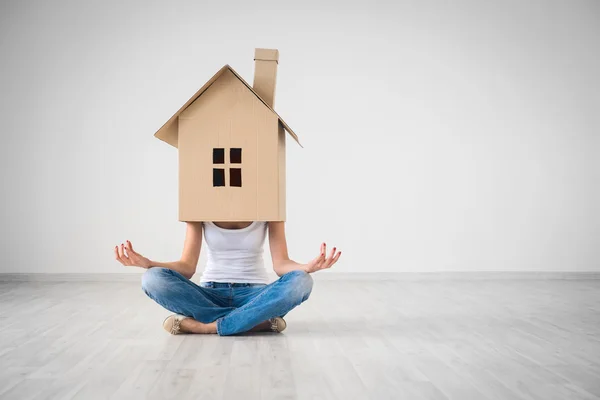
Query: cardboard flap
<point x="168" y="132"/>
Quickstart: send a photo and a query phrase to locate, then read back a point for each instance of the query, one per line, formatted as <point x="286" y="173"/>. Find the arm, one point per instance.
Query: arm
<point x="281" y="260"/>
<point x="185" y="266"/>
<point x="279" y="252"/>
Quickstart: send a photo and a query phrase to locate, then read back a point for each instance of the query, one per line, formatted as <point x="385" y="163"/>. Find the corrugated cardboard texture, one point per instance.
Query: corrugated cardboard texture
<point x="169" y="132"/>
<point x="227" y="116"/>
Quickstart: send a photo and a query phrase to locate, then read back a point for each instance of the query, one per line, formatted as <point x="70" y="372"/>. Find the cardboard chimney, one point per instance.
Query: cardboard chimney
<point x="231" y="145"/>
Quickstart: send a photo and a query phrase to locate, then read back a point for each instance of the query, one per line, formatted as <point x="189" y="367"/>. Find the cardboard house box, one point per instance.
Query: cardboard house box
<point x="231" y="146"/>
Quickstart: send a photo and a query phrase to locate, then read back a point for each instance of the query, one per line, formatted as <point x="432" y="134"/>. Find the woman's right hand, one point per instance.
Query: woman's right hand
<point x="127" y="256"/>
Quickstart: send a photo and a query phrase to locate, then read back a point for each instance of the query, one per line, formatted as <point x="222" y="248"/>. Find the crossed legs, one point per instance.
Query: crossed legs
<point x="211" y="313"/>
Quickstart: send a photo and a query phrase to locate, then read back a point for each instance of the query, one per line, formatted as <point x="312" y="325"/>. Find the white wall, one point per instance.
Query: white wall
<point x="437" y="137"/>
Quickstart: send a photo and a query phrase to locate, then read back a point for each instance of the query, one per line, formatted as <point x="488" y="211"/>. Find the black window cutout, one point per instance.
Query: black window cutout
<point x="218" y="177"/>
<point x="235" y="177"/>
<point x="218" y="156"/>
<point x="235" y="156"/>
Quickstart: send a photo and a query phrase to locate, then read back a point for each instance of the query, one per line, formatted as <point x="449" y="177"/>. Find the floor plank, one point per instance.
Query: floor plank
<point x="494" y="340"/>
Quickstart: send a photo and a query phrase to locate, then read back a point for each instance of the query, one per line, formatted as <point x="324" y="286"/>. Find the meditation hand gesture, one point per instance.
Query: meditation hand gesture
<point x="322" y="262"/>
<point x="131" y="258"/>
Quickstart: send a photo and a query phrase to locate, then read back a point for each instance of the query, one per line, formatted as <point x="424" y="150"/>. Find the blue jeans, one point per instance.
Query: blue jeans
<point x="236" y="307"/>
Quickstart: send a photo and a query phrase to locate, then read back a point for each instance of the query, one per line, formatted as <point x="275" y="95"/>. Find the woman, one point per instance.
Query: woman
<point x="234" y="294"/>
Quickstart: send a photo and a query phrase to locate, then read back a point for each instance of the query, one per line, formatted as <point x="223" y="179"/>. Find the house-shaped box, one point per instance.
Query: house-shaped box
<point x="231" y="147"/>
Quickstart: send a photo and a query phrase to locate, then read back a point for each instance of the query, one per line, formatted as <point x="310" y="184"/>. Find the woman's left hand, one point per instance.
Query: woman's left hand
<point x="322" y="262"/>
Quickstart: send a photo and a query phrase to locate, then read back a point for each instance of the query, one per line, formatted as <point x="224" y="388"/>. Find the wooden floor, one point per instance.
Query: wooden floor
<point x="351" y="340"/>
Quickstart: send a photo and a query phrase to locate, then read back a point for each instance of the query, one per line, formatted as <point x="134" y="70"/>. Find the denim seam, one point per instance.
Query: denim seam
<point x="253" y="300"/>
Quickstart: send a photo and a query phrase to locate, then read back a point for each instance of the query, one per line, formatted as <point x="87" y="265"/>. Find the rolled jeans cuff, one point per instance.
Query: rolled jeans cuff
<point x="219" y="326"/>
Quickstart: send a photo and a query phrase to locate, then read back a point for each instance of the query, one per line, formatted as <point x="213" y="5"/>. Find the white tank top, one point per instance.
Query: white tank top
<point x="235" y="255"/>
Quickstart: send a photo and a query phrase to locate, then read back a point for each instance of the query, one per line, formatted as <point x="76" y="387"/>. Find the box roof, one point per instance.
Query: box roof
<point x="168" y="132"/>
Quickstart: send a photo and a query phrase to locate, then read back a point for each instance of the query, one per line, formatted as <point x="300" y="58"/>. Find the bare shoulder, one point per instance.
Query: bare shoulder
<point x="193" y="233"/>
<point x="276" y="226"/>
<point x="194" y="225"/>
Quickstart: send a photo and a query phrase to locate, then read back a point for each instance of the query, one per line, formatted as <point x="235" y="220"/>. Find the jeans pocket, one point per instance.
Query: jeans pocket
<point x="207" y="284"/>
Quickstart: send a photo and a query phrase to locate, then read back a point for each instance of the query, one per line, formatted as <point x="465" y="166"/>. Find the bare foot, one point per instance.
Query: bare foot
<point x="190" y="325"/>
